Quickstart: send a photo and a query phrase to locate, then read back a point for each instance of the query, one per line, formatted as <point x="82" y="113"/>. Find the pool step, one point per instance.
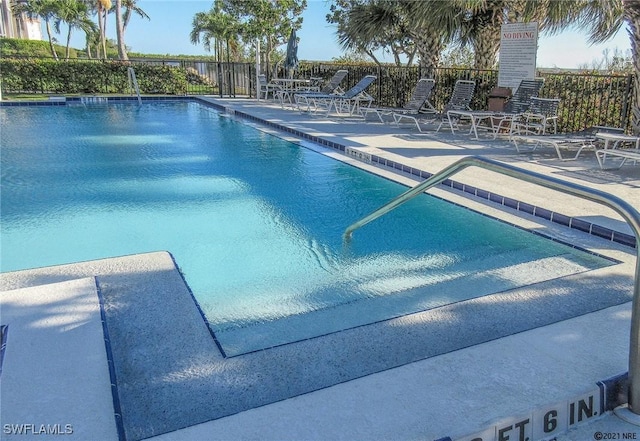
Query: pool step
<point x="410" y="293"/>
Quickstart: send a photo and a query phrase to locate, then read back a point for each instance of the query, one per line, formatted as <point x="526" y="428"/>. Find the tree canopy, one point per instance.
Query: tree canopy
<point x="244" y="22"/>
<point x="76" y="14"/>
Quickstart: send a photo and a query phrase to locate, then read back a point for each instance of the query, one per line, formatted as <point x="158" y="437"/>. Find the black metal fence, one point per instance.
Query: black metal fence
<point x="586" y="99"/>
<point x="222" y="79"/>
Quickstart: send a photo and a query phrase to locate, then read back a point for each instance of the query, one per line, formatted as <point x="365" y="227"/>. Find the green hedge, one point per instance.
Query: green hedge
<point x="75" y="76"/>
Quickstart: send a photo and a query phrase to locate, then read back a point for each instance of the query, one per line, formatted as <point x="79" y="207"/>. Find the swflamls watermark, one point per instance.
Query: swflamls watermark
<point x="37" y="429"/>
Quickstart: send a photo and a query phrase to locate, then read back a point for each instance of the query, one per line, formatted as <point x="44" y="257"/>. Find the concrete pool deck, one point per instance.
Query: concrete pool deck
<point x="479" y="381"/>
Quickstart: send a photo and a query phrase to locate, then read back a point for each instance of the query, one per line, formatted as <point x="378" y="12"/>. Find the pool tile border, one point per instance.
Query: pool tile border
<point x="624" y="239"/>
<point x="63" y="101"/>
<point x="115" y="395"/>
<point x="4" y="330"/>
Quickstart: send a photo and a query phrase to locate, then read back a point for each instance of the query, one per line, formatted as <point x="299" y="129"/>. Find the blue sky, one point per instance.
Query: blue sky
<point x="168" y="33"/>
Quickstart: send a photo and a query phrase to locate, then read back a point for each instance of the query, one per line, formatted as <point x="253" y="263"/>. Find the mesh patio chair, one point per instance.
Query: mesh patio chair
<point x="351" y="101"/>
<point x="540" y="117"/>
<point x="518" y="104"/>
<point x="460" y="100"/>
<point x="266" y="88"/>
<point x="417" y="105"/>
<point x="331" y="87"/>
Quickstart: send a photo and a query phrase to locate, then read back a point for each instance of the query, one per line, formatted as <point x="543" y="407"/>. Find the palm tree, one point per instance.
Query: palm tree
<point x="217" y="27"/>
<point x="632" y="17"/>
<point x="76" y="15"/>
<point x="102" y="9"/>
<point x="92" y="41"/>
<point x="122" y="21"/>
<point x="130" y="7"/>
<point x="477" y="23"/>
<point x="44" y="9"/>
<point x="602" y="19"/>
<point x="367" y="26"/>
<point x="267" y="21"/>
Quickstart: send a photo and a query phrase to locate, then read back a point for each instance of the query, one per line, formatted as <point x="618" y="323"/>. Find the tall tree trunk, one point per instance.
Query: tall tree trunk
<point x="104" y="33"/>
<point x="429" y="47"/>
<point x="122" y="49"/>
<point x="410" y="56"/>
<point x="66" y="52"/>
<point x="51" y="46"/>
<point x="101" y="28"/>
<point x="486" y="47"/>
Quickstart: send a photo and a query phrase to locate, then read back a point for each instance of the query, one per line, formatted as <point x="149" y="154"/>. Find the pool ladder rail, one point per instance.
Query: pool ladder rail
<point x="133" y="83"/>
<point x="630" y="412"/>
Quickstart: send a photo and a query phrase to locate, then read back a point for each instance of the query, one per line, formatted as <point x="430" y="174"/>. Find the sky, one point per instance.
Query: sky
<point x="167" y="32"/>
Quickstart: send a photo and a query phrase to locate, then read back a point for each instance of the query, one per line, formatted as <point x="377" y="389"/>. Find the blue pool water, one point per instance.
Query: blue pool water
<point x="254" y="222"/>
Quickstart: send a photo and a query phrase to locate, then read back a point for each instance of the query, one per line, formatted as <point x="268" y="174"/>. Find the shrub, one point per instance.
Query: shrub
<point x="75" y="76"/>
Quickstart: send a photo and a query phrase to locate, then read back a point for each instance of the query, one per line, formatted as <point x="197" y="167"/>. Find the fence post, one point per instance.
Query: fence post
<point x="626" y="100"/>
<point x="220" y="78"/>
<point x="379" y="74"/>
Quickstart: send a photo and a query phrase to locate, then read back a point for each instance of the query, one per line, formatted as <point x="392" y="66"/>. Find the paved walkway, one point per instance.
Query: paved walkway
<point x="509" y="386"/>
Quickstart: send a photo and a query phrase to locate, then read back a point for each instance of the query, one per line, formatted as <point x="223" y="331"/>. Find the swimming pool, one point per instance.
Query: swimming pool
<point x="254" y="222"/>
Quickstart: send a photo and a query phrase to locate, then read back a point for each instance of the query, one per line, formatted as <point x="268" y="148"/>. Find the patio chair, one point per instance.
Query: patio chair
<point x="266" y="88"/>
<point x="331" y="87"/>
<point x="497" y="121"/>
<point x="613" y="139"/>
<point x="460" y="100"/>
<point x="624" y="154"/>
<point x="570" y="142"/>
<point x="518" y="104"/>
<point x="351" y="100"/>
<point x="540" y="117"/>
<point x="417" y="105"/>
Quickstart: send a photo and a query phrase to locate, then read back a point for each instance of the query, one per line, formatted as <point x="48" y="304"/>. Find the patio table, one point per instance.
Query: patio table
<point x="475" y="116"/>
<point x="290" y="85"/>
<point x="617" y="138"/>
<point x="611" y="142"/>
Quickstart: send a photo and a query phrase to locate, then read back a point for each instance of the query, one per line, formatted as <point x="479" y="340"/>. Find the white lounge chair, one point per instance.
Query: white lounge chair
<point x="417" y="106"/>
<point x="460" y="100"/>
<point x="571" y="142"/>
<point x="351" y="101"/>
<point x="331" y="87"/>
<point x="625" y="154"/>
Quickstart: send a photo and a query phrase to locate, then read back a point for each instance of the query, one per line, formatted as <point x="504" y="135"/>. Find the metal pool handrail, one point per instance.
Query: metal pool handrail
<point x="133" y="80"/>
<point x="628" y="213"/>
